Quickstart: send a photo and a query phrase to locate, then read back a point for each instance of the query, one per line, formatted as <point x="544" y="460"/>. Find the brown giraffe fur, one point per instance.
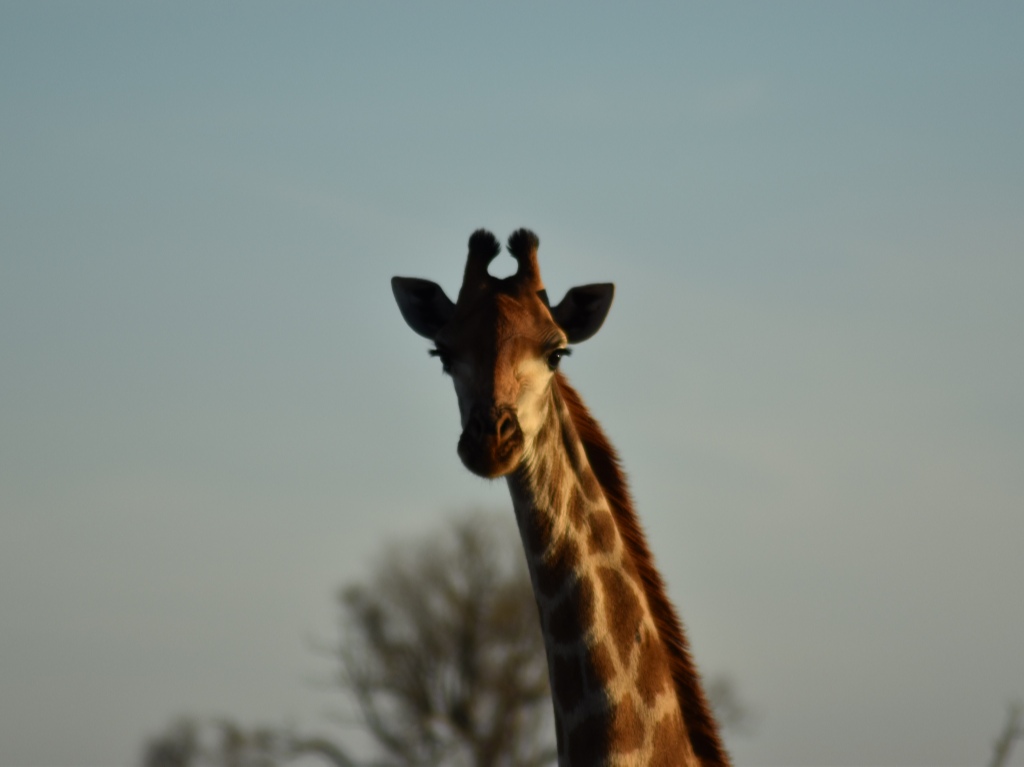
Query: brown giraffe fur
<point x="624" y="687"/>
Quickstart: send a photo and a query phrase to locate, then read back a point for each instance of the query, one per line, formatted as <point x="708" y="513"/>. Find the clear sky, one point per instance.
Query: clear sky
<point x="212" y="414"/>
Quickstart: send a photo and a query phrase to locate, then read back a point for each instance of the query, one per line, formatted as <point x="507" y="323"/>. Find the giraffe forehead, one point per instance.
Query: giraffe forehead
<point x="502" y="327"/>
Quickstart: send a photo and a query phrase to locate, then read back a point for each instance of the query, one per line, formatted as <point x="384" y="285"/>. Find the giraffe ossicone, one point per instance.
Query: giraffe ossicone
<point x="625" y="689"/>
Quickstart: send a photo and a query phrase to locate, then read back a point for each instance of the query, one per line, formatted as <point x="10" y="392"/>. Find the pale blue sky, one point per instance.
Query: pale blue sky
<point x="212" y="414"/>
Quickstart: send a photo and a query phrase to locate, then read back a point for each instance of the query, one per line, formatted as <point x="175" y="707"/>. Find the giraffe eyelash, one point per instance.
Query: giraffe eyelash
<point x="446" y="362"/>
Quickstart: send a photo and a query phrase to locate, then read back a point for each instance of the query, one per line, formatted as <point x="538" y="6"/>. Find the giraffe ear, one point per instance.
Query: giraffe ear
<point x="423" y="304"/>
<point x="581" y="313"/>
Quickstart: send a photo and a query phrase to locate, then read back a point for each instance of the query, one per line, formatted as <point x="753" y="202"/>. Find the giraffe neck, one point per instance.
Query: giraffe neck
<point x="625" y="691"/>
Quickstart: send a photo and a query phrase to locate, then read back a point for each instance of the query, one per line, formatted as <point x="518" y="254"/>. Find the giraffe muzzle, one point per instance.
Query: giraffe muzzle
<point x="491" y="445"/>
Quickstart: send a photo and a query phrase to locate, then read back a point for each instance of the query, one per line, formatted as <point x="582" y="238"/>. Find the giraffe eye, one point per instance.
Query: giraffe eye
<point x="556" y="356"/>
<point x="446" y="360"/>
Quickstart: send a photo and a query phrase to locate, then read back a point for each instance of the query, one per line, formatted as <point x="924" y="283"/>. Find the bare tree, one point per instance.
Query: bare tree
<point x="443" y="654"/>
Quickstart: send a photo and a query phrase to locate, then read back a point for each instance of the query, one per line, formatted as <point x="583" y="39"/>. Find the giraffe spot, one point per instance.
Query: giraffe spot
<point x="573" y="615"/>
<point x="536" y="532"/>
<point x="603" y="664"/>
<point x="567" y="680"/>
<point x="627" y="730"/>
<point x="551" y="482"/>
<point x="627" y="564"/>
<point x="588" y="741"/>
<point x="554" y="570"/>
<point x="591" y="487"/>
<point x="577" y="508"/>
<point x="542" y="474"/>
<point x="670" y="744"/>
<point x="656" y="675"/>
<point x="573" y="448"/>
<point x="623" y="612"/>
<point x="602" y="533"/>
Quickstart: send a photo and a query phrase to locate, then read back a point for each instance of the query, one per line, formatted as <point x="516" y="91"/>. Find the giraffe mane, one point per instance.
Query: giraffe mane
<point x="604" y="461"/>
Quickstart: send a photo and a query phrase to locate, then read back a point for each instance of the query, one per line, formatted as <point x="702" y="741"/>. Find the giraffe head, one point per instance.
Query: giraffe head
<point x="501" y="343"/>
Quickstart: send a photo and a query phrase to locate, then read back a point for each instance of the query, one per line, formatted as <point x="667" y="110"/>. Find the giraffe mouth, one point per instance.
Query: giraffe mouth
<point x="492" y="462"/>
<point x="492" y="443"/>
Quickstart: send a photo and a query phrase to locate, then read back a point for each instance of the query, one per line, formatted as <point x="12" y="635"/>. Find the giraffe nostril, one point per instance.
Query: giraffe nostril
<point x="506" y="426"/>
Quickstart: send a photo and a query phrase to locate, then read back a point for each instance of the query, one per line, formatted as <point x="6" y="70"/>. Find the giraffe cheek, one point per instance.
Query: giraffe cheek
<point x="532" y="390"/>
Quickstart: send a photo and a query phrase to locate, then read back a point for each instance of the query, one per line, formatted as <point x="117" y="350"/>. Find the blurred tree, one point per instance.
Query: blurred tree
<point x="177" y="746"/>
<point x="442" y="655"/>
<point x="1012" y="731"/>
<point x="224" y="743"/>
<point x="730" y="710"/>
<point x="441" y="650"/>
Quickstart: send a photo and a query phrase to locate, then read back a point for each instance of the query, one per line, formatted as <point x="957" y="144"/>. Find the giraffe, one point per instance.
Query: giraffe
<point x="624" y="687"/>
